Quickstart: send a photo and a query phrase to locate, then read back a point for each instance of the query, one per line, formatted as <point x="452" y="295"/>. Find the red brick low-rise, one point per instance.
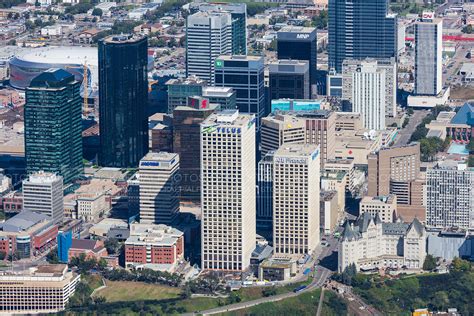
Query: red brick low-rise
<point x="159" y="247"/>
<point x="27" y="234"/>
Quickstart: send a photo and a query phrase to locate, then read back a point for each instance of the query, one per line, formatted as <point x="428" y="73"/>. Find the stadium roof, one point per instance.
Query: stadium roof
<point x="61" y="55"/>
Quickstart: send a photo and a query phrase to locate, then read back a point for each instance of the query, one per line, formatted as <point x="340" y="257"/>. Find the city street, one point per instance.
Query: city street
<point x="326" y="264"/>
<point x="404" y="134"/>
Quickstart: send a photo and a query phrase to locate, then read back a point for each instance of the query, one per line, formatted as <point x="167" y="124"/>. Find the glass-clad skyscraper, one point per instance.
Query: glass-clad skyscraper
<point x="238" y="13"/>
<point x="300" y="43"/>
<point x="123" y="100"/>
<point x="53" y="126"/>
<point x="245" y="75"/>
<point x="359" y="29"/>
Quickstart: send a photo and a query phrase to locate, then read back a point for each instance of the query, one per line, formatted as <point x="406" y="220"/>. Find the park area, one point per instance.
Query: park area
<point x="124" y="291"/>
<point x="132" y="298"/>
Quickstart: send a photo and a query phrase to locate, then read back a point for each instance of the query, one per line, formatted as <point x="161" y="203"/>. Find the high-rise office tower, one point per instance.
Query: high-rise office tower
<point x="238" y="13"/>
<point x="387" y="66"/>
<point x="123" y="93"/>
<point x="43" y="193"/>
<point x="450" y="195"/>
<point x="53" y="126"/>
<point x="186" y="143"/>
<point x="300" y="43"/>
<point x="368" y="95"/>
<point x="208" y="35"/>
<point x="306" y="127"/>
<point x="228" y="197"/>
<point x="245" y="75"/>
<point x="179" y="90"/>
<point x="360" y="29"/>
<point x="428" y="55"/>
<point x="159" y="201"/>
<point x="296" y="199"/>
<point x="289" y="79"/>
<point x="390" y="166"/>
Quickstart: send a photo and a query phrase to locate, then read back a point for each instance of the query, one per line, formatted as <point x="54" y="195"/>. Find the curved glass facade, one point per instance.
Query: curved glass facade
<point x="23" y="246"/>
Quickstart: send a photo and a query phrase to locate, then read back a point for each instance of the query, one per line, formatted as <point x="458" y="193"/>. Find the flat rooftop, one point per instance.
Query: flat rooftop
<point x="123" y="39"/>
<point x="228" y="117"/>
<point x="160" y="156"/>
<point x="297" y="29"/>
<point x="24" y="221"/>
<point x="240" y="57"/>
<point x="191" y="80"/>
<point x="43" y="178"/>
<point x="296" y="150"/>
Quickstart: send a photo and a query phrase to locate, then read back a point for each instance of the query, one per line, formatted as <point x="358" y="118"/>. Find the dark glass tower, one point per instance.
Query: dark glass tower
<point x="123" y="100"/>
<point x="53" y="126"/>
<point x="245" y="75"/>
<point x="359" y="29"/>
<point x="300" y="43"/>
<point x="289" y="79"/>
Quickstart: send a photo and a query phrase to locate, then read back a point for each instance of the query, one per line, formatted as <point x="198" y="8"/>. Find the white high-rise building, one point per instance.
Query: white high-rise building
<point x="296" y="173"/>
<point x="228" y="197"/>
<point x="428" y="55"/>
<point x="351" y="66"/>
<point x="43" y="193"/>
<point x="368" y="94"/>
<point x="450" y="195"/>
<point x="208" y="35"/>
<point x="159" y="188"/>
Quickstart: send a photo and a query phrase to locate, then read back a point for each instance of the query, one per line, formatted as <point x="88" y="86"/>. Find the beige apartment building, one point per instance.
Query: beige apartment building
<point x="42" y="289"/>
<point x="396" y="170"/>
<point x="392" y="165"/>
<point x="313" y="127"/>
<point x="228" y="195"/>
<point x="296" y="199"/>
<point x="91" y="205"/>
<point x="281" y="129"/>
<point x="385" y="206"/>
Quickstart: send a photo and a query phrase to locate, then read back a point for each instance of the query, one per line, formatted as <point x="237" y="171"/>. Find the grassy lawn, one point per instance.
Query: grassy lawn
<point x="245" y="294"/>
<point x="304" y="304"/>
<point x="120" y="291"/>
<point x="93" y="280"/>
<point x="127" y="298"/>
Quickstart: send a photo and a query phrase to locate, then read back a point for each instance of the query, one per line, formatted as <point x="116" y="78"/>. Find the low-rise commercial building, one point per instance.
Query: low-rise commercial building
<point x="43" y="289"/>
<point x="157" y="247"/>
<point x="90" y="248"/>
<point x="277" y="269"/>
<point x="91" y="206"/>
<point x="26" y="234"/>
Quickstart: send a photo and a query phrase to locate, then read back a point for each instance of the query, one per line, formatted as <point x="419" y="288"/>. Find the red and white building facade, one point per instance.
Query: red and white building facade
<point x="154" y="246"/>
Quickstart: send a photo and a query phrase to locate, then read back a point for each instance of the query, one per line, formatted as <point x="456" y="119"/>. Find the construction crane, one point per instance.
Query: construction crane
<point x="85" y="82"/>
